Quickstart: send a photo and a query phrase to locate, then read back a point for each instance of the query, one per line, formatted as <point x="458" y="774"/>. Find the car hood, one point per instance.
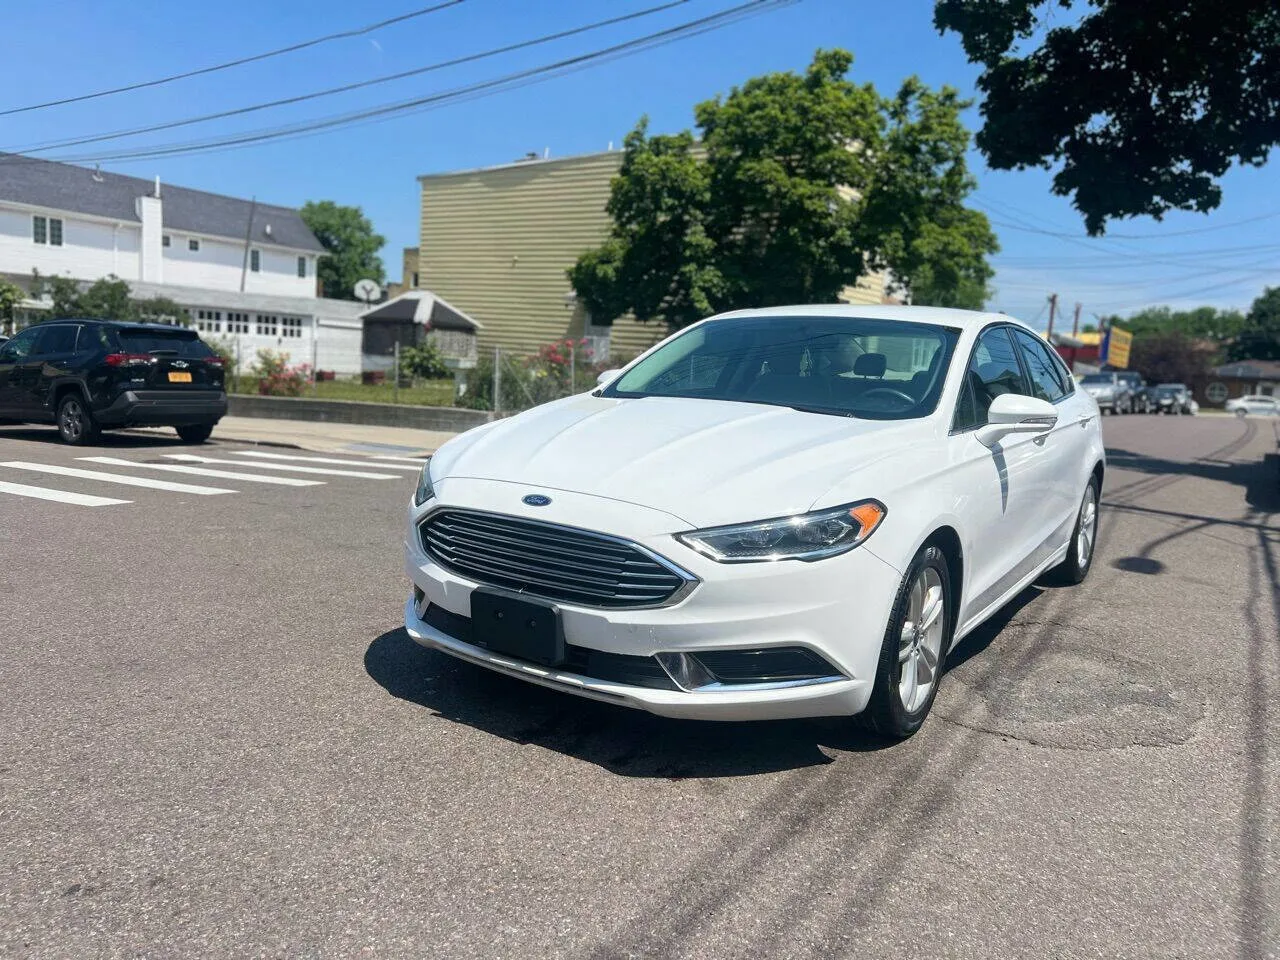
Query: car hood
<point x="706" y="462"/>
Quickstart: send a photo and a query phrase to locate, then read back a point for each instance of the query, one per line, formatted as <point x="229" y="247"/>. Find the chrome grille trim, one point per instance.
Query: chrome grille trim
<point x="550" y="561"/>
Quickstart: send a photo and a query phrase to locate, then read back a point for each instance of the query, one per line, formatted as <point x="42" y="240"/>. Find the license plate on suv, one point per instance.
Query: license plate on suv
<point x="176" y="376"/>
<point x="517" y="627"/>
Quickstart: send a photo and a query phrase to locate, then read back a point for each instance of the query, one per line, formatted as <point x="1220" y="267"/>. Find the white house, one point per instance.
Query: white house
<point x="245" y="270"/>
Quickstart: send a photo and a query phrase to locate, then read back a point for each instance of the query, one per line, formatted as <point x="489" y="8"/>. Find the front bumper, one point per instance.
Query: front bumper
<point x="164" y="408"/>
<point x="836" y="608"/>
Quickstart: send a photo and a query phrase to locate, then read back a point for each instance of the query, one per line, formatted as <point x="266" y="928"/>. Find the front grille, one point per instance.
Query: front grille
<point x="549" y="561"/>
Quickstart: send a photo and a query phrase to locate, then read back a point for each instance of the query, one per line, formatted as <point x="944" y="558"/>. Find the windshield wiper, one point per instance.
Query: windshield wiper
<point x="828" y="411"/>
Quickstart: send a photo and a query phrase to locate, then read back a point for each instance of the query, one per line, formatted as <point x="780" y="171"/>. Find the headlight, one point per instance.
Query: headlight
<point x="810" y="536"/>
<point x="425" y="491"/>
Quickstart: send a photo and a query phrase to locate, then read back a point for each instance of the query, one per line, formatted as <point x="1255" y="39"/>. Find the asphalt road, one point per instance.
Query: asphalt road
<point x="215" y="741"/>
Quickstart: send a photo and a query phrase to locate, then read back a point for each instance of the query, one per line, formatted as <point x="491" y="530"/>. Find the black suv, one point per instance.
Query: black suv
<point x="87" y="375"/>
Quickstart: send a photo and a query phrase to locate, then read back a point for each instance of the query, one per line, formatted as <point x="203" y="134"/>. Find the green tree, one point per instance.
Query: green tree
<point x="10" y="296"/>
<point x="1142" y="106"/>
<point x="797" y="186"/>
<point x="108" y="298"/>
<point x="1170" y="358"/>
<point x="1202" y="323"/>
<point x="1259" y="337"/>
<point x="352" y="244"/>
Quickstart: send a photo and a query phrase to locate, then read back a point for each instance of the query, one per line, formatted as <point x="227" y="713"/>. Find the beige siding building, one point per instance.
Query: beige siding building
<point x="496" y="242"/>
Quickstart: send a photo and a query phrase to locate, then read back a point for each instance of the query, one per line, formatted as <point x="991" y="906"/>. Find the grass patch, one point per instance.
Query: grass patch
<point x="427" y="393"/>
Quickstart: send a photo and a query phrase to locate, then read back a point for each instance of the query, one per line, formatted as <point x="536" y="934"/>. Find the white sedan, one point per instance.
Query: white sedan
<point x="790" y="512"/>
<point x="1257" y="404"/>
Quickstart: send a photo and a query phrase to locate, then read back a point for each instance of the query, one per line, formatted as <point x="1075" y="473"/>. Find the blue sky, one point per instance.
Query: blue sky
<point x="1223" y="261"/>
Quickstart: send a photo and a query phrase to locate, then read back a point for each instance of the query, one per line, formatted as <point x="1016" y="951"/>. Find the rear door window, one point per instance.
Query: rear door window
<point x="180" y="343"/>
<point x="58" y="338"/>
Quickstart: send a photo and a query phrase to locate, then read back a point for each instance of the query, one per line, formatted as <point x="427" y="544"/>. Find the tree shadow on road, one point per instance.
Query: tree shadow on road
<point x="627" y="742"/>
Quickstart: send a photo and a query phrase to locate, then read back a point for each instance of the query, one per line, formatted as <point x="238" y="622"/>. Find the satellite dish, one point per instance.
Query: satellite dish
<point x="368" y="290"/>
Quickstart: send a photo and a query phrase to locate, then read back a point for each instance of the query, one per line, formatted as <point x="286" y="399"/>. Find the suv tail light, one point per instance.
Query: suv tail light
<point x="127" y="359"/>
<point x="215" y="360"/>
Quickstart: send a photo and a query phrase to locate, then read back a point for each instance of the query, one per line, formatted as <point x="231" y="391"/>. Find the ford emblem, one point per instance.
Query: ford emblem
<point x="537" y="500"/>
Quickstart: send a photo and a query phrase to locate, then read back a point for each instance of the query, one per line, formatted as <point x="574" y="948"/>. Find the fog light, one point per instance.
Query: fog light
<point x="687" y="672"/>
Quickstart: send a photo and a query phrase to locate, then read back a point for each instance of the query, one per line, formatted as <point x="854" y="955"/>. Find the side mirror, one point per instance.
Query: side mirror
<point x="605" y="377"/>
<point x="1012" y="413"/>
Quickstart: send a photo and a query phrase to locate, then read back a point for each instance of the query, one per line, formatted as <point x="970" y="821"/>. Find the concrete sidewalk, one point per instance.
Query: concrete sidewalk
<point x="325" y="437"/>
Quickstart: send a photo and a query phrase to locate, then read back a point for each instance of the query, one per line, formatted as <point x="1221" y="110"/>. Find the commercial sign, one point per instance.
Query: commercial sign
<point x="1115" y="347"/>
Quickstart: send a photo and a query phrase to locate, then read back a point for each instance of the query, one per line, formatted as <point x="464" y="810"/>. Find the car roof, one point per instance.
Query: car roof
<point x="119" y="324"/>
<point x="939" y="316"/>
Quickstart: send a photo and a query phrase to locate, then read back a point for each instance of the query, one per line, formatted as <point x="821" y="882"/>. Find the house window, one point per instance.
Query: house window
<point x="302" y="266"/>
<point x="291" y="326"/>
<point x="268" y="325"/>
<point x="237" y="322"/>
<point x="166" y="240"/>
<point x="210" y="321"/>
<point x="55" y="232"/>
<point x="40" y="229"/>
<point x="415" y="281"/>
<point x="255" y="261"/>
<point x="193" y="245"/>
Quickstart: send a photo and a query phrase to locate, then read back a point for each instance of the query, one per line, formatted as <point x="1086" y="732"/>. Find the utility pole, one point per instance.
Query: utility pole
<point x="1075" y="323"/>
<point x="1053" y="309"/>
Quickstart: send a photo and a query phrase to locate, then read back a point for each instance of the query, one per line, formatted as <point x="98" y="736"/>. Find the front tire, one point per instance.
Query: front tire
<point x="1241" y="413"/>
<point x="76" y="425"/>
<point x="1084" y="540"/>
<point x="197" y="433"/>
<point x="914" y="648"/>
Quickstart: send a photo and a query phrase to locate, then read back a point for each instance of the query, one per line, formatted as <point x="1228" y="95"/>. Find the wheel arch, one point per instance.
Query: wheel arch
<point x="63" y="387"/>
<point x="947" y="539"/>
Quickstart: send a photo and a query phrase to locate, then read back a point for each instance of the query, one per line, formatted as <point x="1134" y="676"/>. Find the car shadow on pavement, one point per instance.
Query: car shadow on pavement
<point x="626" y="742"/>
<point x="107" y="440"/>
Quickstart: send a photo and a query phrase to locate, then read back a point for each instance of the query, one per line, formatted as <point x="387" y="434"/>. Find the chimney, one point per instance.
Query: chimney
<point x="157" y="193"/>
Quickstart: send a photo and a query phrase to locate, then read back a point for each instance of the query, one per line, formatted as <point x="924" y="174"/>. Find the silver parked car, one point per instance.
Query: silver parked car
<point x="1255" y="404"/>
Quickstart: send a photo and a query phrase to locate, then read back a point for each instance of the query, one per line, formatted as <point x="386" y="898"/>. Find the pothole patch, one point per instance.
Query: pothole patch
<point x="1046" y="684"/>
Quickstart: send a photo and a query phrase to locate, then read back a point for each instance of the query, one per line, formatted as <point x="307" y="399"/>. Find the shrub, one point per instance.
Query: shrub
<point x="424" y="361"/>
<point x="276" y="378"/>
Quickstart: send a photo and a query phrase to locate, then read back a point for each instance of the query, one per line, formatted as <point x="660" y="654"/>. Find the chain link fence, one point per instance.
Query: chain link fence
<point x="508" y="382"/>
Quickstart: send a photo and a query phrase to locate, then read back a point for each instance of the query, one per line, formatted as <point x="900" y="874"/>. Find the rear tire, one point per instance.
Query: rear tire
<point x="197" y="433"/>
<point x="914" y="648"/>
<point x="1084" y="541"/>
<point x="1241" y="412"/>
<point x="76" y="425"/>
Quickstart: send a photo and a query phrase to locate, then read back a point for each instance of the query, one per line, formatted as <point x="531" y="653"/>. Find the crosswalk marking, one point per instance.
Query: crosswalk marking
<point x="192" y="458"/>
<point x="201" y="472"/>
<point x="60" y="496"/>
<point x="341" y="463"/>
<point x="115" y="478"/>
<point x="418" y="460"/>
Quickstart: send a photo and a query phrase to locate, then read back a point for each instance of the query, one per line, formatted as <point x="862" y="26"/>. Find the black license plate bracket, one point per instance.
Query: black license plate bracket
<point x="517" y="627"/>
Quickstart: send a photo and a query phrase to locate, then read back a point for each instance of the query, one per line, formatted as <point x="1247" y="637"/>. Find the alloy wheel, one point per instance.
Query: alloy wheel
<point x="1087" y="527"/>
<point x="920" y="644"/>
<point x="72" y="420"/>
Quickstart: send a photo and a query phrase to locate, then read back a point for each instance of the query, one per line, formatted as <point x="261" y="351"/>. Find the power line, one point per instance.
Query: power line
<point x="509" y="81"/>
<point x="292" y="48"/>
<point x="346" y="88"/>
<point x="1062" y="235"/>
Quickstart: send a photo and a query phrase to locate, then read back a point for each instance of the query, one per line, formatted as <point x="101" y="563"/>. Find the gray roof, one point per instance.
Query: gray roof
<point x="62" y="186"/>
<point x="423" y="306"/>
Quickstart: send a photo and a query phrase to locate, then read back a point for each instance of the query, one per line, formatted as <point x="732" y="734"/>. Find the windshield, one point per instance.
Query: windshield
<point x="1170" y="387"/>
<point x="182" y="343"/>
<point x="845" y="366"/>
<point x="1098" y="378"/>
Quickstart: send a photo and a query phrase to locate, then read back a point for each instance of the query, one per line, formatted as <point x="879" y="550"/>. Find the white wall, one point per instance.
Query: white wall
<point x="338" y="347"/>
<point x="90" y="249"/>
<point x="218" y="265"/>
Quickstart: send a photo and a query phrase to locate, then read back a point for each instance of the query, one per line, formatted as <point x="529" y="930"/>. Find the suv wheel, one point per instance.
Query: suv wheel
<point x="75" y="423"/>
<point x="198" y="433"/>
